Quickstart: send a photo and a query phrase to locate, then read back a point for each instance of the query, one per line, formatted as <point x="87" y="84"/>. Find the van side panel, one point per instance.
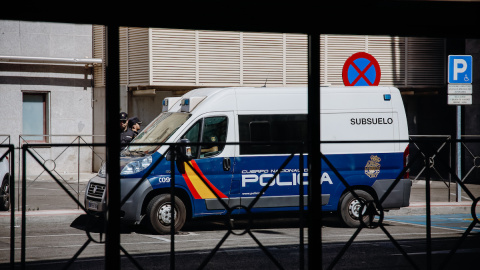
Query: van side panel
<point x="236" y="175"/>
<point x="349" y="118"/>
<point x="255" y="172"/>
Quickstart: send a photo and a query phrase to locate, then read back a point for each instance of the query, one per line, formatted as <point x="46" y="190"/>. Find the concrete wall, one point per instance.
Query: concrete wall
<point x="69" y="87"/>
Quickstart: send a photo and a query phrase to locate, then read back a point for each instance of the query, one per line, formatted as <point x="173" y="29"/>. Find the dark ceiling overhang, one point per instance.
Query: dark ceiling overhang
<point x="404" y="18"/>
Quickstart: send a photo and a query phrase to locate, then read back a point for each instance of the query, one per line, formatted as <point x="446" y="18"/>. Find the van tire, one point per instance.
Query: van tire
<point x="5" y="194"/>
<point x="159" y="214"/>
<point x="349" y="208"/>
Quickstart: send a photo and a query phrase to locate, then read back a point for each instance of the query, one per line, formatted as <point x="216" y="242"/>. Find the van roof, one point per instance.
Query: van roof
<point x="291" y="99"/>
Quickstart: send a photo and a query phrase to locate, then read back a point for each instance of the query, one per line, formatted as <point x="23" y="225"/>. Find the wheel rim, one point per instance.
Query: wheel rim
<point x="354" y="209"/>
<point x="165" y="214"/>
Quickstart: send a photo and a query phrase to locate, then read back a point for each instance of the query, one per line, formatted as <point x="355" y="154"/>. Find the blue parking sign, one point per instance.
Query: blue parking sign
<point x="460" y="69"/>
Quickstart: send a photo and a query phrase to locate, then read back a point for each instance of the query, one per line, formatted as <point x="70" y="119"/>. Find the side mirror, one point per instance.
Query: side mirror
<point x="184" y="149"/>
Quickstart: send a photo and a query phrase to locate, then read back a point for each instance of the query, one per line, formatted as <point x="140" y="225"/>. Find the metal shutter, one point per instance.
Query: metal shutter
<point x="99" y="52"/>
<point x="390" y="54"/>
<point x="138" y="56"/>
<point x="173" y="57"/>
<point x="262" y="59"/>
<point x="123" y="32"/>
<point x="296" y="56"/>
<point x="337" y="49"/>
<point x="218" y="58"/>
<point x="425" y="61"/>
<point x="176" y="57"/>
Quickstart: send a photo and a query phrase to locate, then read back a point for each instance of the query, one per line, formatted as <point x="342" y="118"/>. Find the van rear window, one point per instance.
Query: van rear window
<point x="276" y="134"/>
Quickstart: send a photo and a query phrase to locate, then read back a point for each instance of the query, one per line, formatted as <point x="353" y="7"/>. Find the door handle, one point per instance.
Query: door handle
<point x="226" y="164"/>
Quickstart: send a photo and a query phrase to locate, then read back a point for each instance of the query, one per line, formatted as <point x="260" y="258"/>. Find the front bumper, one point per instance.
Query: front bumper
<point x="95" y="197"/>
<point x="95" y="200"/>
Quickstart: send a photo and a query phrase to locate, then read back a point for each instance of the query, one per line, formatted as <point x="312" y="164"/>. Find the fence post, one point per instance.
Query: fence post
<point x="459" y="152"/>
<point x="112" y="108"/>
<point x="24" y="204"/>
<point x="12" y="206"/>
<point x="428" y="212"/>
<point x="314" y="159"/>
<point x="172" y="150"/>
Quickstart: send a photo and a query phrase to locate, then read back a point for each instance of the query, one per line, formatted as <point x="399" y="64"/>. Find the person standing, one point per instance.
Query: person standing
<point x="132" y="131"/>
<point x="123" y="122"/>
<point x="123" y="126"/>
<point x="134" y="125"/>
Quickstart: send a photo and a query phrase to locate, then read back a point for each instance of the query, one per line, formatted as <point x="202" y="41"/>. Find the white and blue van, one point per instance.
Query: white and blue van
<point x="236" y="173"/>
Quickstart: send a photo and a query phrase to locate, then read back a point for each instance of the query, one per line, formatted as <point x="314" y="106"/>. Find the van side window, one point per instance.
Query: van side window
<point x="214" y="131"/>
<point x="260" y="131"/>
<point x="272" y="128"/>
<point x="210" y="130"/>
<point x="193" y="135"/>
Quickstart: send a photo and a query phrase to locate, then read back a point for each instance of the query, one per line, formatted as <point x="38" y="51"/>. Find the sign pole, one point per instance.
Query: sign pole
<point x="459" y="152"/>
<point x="460" y="92"/>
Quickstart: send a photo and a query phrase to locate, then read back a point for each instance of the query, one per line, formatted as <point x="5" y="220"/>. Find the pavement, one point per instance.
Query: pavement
<point x="443" y="201"/>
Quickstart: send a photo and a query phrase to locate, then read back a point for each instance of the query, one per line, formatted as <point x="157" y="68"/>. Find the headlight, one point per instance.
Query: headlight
<point x="136" y="166"/>
<point x="102" y="170"/>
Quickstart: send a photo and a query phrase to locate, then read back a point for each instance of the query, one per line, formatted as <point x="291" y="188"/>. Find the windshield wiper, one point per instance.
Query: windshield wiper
<point x="128" y="152"/>
<point x="138" y="153"/>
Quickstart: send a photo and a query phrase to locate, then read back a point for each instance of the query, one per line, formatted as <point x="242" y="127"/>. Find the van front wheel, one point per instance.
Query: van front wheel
<point x="350" y="208"/>
<point x="5" y="194"/>
<point x="159" y="211"/>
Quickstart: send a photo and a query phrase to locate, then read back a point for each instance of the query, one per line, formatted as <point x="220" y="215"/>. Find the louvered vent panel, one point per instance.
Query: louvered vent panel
<point x="219" y="58"/>
<point x="426" y="61"/>
<point x="338" y="49"/>
<point x="123" y="55"/>
<point x="173" y="57"/>
<point x="296" y="59"/>
<point x="99" y="52"/>
<point x="390" y="54"/>
<point x="262" y="59"/>
<point x="138" y="56"/>
<point x="323" y="60"/>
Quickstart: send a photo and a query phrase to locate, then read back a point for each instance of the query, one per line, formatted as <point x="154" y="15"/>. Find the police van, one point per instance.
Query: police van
<point x="220" y="173"/>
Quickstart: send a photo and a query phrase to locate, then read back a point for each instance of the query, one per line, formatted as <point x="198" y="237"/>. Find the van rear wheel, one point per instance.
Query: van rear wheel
<point x="350" y="208"/>
<point x="159" y="211"/>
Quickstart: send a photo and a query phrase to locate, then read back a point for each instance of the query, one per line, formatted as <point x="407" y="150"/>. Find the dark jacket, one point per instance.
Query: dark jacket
<point x="127" y="137"/>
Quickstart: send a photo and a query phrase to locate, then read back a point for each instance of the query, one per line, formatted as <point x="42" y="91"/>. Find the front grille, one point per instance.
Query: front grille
<point x="95" y="192"/>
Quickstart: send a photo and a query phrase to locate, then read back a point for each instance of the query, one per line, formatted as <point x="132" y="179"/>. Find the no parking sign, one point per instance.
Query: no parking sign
<point x="361" y="69"/>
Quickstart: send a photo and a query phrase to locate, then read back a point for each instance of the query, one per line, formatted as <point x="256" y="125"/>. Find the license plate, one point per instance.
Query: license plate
<point x="92" y="205"/>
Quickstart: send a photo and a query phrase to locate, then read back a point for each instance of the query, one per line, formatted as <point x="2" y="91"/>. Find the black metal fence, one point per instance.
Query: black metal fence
<point x="426" y="157"/>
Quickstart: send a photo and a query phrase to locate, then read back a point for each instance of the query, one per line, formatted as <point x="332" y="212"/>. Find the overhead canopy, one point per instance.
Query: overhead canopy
<point x="408" y="18"/>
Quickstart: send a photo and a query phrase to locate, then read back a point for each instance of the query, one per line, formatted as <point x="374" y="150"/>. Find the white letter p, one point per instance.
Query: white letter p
<point x="457" y="69"/>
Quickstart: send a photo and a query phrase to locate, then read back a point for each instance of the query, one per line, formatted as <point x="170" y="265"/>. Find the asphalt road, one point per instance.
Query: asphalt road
<point x="56" y="231"/>
<point x="50" y="244"/>
<point x="43" y="194"/>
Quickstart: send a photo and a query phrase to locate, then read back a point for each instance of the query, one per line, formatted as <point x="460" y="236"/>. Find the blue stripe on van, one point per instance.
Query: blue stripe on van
<point x="249" y="174"/>
<point x="356" y="169"/>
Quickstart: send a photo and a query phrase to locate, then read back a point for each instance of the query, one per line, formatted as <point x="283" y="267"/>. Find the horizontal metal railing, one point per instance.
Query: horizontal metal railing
<point x="427" y="150"/>
<point x="50" y="159"/>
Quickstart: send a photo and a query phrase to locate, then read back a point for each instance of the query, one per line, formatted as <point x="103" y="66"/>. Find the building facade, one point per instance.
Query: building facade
<point x="156" y="63"/>
<point x="46" y="90"/>
<point x="41" y="67"/>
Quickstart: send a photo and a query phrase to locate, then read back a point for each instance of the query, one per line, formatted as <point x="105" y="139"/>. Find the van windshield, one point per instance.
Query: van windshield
<point x="158" y="131"/>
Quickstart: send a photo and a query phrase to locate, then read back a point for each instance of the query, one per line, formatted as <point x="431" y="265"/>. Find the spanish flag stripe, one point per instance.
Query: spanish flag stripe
<point x="198" y="184"/>
<point x="218" y="192"/>
<point x="190" y="187"/>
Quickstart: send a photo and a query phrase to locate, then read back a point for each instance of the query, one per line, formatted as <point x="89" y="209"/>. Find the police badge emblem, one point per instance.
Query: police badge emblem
<point x="372" y="169"/>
